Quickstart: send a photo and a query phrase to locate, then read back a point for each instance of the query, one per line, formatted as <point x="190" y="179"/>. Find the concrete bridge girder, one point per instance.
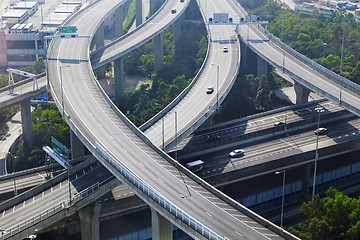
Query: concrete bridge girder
<point x="77" y="147"/>
<point x="158" y="51"/>
<point x="89" y="221"/>
<point x="99" y="42"/>
<point x="161" y="227"/>
<point x="119" y="77"/>
<point x="302" y="93"/>
<point x="26" y="122"/>
<point x="138" y="13"/>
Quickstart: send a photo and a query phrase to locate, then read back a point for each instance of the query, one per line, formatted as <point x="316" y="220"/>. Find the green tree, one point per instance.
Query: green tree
<point x="336" y="216"/>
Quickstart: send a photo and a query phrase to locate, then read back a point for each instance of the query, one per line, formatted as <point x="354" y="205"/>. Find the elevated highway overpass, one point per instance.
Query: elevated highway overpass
<point x="238" y="168"/>
<point x="129" y="155"/>
<point x="308" y="75"/>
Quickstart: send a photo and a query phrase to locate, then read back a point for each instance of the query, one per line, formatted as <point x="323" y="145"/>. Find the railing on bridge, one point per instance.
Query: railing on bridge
<point x="8" y="233"/>
<point x="162" y="201"/>
<point x="328" y="73"/>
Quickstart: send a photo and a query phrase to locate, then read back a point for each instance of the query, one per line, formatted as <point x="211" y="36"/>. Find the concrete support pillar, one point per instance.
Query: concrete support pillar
<point x="262" y="67"/>
<point x="36" y="50"/>
<point x="158" y="51"/>
<point x="161" y="227"/>
<point x="152" y="6"/>
<point x="77" y="148"/>
<point x="119" y="27"/>
<point x="119" y="77"/>
<point x="99" y="42"/>
<point x="26" y="122"/>
<point x="306" y="182"/>
<point x="89" y="221"/>
<point x="177" y="29"/>
<point x="302" y="93"/>
<point x="138" y="13"/>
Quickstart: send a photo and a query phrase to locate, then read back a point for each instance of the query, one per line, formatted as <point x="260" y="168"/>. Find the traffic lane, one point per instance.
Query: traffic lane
<point x="220" y="162"/>
<point x="51" y="197"/>
<point x="196" y="103"/>
<point x="266" y="122"/>
<point x="129" y="41"/>
<point x="96" y="128"/>
<point x="261" y="43"/>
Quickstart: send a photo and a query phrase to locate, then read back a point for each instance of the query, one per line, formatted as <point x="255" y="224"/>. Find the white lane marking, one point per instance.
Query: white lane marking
<point x="238" y="233"/>
<point x="161" y="180"/>
<point x="41" y="175"/>
<point x="208" y="214"/>
<point x="141" y="164"/>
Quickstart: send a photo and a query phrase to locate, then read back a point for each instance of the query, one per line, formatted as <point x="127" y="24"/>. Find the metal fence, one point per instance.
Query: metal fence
<point x="161" y="200"/>
<point x="319" y="68"/>
<point x="8" y="233"/>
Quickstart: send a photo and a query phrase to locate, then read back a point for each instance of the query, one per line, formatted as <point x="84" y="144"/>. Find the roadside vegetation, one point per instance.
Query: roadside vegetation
<point x="333" y="217"/>
<point x="311" y="35"/>
<point x="182" y="60"/>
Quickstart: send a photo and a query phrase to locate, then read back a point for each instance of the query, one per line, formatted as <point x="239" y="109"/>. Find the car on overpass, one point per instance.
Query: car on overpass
<point x="320" y="131"/>
<point x="237" y="153"/>
<point x="210" y="90"/>
<point x="211" y="138"/>
<point x="279" y="124"/>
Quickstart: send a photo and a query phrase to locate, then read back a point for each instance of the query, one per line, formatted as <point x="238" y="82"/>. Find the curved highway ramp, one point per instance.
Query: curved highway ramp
<point x="181" y="197"/>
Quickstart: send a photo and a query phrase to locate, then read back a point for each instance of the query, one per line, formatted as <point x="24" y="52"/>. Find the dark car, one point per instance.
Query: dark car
<point x="211" y="138"/>
<point x="173" y="11"/>
<point x="210" y="90"/>
<point x="320" y="131"/>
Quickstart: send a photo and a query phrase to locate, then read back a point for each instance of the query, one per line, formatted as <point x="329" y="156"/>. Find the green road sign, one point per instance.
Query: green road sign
<point x="68" y="29"/>
<point x="59" y="148"/>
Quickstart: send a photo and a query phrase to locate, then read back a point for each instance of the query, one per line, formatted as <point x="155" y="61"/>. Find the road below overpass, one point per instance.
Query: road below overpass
<point x="95" y="122"/>
<point x="217" y="163"/>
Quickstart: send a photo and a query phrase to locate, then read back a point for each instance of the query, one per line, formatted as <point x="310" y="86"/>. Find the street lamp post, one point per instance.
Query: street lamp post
<point x="324" y="44"/>
<point x="163" y="137"/>
<point x="283" y="196"/>
<point x="282" y="35"/>
<point x="175" y="136"/>
<point x="13" y="168"/>
<point x="319" y="110"/>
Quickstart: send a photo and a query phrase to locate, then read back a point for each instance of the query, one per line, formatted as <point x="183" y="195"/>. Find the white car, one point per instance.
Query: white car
<point x="237" y="152"/>
<point x="225" y="49"/>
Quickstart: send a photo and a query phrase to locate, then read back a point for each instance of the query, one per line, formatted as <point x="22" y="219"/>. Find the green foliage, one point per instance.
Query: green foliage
<point x="336" y="216"/>
<point x="250" y="95"/>
<point x="181" y="62"/>
<point x="46" y="123"/>
<point x="130" y="17"/>
<point x="306" y="34"/>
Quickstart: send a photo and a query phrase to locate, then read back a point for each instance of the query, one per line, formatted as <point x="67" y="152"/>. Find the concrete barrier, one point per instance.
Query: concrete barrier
<point x="283" y="163"/>
<point x="174" y="102"/>
<point x="37" y="190"/>
<point x="261" y="135"/>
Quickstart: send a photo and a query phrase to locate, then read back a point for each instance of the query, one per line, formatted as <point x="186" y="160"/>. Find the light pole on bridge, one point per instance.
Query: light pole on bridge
<point x="283" y="196"/>
<point x="319" y="110"/>
<point x="13" y="168"/>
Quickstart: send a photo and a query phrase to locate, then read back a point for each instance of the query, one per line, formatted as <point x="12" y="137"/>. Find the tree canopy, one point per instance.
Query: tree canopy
<point x="334" y="217"/>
